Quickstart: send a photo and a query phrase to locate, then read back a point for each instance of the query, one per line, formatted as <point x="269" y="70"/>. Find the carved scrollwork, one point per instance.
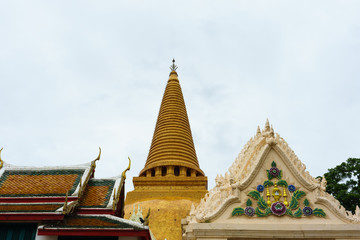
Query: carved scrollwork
<point x="244" y="170"/>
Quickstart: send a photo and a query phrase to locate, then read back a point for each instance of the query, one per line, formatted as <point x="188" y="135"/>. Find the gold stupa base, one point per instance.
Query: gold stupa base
<point x="165" y="217"/>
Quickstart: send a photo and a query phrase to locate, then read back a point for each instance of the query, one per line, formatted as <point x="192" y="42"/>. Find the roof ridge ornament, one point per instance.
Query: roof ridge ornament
<point x="173" y="67"/>
<point x="1" y="161"/>
<point x="98" y="157"/>
<point x="127" y="169"/>
<point x="117" y="193"/>
<point x="267" y="126"/>
<point x="93" y="163"/>
<point x="258" y="132"/>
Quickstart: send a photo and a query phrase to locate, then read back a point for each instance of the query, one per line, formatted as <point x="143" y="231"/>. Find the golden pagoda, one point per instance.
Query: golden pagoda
<point x="171" y="180"/>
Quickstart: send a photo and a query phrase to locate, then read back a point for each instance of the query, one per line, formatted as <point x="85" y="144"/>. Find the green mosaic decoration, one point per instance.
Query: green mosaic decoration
<point x="277" y="203"/>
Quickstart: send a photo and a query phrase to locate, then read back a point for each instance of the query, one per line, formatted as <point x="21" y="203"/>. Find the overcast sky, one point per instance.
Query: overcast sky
<point x="76" y="75"/>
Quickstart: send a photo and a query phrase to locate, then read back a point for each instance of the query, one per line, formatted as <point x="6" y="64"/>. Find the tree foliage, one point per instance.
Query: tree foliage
<point x="343" y="182"/>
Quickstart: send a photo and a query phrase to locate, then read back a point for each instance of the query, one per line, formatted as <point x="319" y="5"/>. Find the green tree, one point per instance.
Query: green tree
<point x="343" y="182"/>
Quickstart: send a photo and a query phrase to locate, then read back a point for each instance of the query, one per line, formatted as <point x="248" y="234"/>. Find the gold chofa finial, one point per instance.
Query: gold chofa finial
<point x="1" y="161"/>
<point x="93" y="163"/>
<point x="98" y="157"/>
<point x="173" y="67"/>
<point x="128" y="168"/>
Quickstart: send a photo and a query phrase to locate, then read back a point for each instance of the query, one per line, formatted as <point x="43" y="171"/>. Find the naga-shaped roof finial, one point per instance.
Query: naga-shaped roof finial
<point x="1" y="161"/>
<point x="128" y="168"/>
<point x="93" y="163"/>
<point x="98" y="157"/>
<point x="173" y="67"/>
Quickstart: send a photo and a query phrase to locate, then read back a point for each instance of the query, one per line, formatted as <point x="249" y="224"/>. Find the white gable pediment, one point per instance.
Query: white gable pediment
<point x="267" y="183"/>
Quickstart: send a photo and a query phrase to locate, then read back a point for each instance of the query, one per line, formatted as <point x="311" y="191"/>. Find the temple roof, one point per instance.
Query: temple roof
<point x="58" y="191"/>
<point x="67" y="200"/>
<point x="40" y="182"/>
<point x="172" y="142"/>
<point x="98" y="193"/>
<point x="41" y="193"/>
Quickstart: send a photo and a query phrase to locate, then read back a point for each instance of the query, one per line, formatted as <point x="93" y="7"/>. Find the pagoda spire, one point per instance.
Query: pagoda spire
<point x="171" y="176"/>
<point x="172" y="144"/>
<point x="173" y="67"/>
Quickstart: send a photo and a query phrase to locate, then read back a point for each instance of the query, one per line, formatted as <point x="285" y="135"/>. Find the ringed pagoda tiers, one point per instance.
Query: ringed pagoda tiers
<point x="171" y="180"/>
<point x="172" y="150"/>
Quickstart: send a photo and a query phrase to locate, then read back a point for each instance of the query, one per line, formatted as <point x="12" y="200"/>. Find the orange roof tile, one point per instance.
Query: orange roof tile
<point x="98" y="193"/>
<point x="39" y="182"/>
<point x="30" y="208"/>
<point x="89" y="221"/>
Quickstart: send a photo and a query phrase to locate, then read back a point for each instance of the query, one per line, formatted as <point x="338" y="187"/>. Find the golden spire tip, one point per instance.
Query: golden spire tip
<point x="173" y="67"/>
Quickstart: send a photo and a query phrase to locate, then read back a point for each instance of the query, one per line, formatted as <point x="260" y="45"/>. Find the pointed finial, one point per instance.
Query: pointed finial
<point x="1" y="161"/>
<point x="173" y="67"/>
<point x="271" y="131"/>
<point x="258" y="131"/>
<point x="128" y="168"/>
<point x="93" y="163"/>
<point x="98" y="157"/>
<point x="267" y="125"/>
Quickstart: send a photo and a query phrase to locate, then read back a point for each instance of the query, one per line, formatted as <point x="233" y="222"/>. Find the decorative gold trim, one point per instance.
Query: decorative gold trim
<point x="268" y="196"/>
<point x="65" y="208"/>
<point x="285" y="199"/>
<point x="276" y="193"/>
<point x="82" y="187"/>
<point x="1" y="161"/>
<point x="98" y="157"/>
<point x="122" y="182"/>
<point x="93" y="163"/>
<point x="146" y="219"/>
<point x="70" y="207"/>
<point x="128" y="168"/>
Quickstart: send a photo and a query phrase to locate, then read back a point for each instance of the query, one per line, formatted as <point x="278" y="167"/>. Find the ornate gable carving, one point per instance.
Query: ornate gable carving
<point x="248" y="186"/>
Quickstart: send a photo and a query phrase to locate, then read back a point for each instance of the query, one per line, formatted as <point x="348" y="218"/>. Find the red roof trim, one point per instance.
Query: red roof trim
<point x="35" y="199"/>
<point x="145" y="234"/>
<point x="30" y="216"/>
